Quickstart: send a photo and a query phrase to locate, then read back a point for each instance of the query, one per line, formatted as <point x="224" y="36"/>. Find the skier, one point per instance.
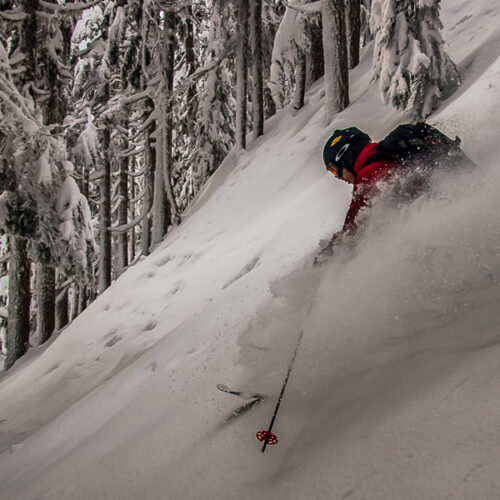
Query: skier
<point x="411" y="150"/>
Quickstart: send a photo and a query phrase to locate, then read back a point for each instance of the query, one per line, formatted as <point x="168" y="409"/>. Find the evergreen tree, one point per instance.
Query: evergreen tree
<point x="414" y="71"/>
<point x="40" y="206"/>
<point x="215" y="131"/>
<point x="288" y="62"/>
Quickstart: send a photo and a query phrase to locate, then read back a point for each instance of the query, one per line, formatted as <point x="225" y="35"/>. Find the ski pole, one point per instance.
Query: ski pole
<point x="268" y="434"/>
<point x="267" y="437"/>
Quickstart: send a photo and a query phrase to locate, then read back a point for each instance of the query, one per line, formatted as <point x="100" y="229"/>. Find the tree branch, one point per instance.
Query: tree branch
<point x="15" y="15"/>
<point x="126" y="227"/>
<point x="68" y="7"/>
<point x="310" y="8"/>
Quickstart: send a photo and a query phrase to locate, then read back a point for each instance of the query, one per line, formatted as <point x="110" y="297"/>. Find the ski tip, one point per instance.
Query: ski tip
<point x="223" y="387"/>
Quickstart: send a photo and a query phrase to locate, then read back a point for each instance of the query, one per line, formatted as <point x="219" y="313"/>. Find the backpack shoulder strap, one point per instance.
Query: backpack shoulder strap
<point x="383" y="154"/>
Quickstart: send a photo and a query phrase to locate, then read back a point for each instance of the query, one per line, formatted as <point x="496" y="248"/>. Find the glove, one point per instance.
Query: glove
<point x="327" y="251"/>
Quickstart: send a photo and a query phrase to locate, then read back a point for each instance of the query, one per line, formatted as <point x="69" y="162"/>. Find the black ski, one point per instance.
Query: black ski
<point x="241" y="394"/>
<point x="251" y="400"/>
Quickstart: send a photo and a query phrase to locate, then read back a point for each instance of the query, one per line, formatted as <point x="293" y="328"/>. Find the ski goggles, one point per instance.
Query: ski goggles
<point x="336" y="171"/>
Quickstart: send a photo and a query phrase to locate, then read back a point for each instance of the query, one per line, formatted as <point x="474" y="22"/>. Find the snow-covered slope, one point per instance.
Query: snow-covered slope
<point x="395" y="390"/>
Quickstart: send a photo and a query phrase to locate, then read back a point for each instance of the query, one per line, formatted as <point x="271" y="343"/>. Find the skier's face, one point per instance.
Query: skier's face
<point x="342" y="174"/>
<point x="348" y="176"/>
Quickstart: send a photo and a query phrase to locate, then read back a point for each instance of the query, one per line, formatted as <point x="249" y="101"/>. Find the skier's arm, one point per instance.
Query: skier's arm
<point x="365" y="188"/>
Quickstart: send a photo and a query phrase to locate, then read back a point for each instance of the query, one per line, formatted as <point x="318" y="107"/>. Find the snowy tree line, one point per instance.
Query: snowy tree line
<point x="114" y="113"/>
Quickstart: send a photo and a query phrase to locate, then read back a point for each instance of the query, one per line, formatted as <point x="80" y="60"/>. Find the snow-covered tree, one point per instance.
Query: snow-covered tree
<point x="298" y="56"/>
<point x="288" y="57"/>
<point x="214" y="128"/>
<point x="165" y="211"/>
<point x="40" y="202"/>
<point x="409" y="59"/>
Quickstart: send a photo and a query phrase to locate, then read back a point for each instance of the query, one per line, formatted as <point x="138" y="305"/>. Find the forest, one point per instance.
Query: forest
<point x="115" y="113"/>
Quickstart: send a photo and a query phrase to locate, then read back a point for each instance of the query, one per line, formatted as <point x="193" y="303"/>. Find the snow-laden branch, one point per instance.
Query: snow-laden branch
<point x="30" y="126"/>
<point x="132" y="99"/>
<point x="173" y="5"/>
<point x="44" y="15"/>
<point x="89" y="48"/>
<point x="210" y="66"/>
<point x="127" y="227"/>
<point x="68" y="7"/>
<point x="5" y="258"/>
<point x="118" y="201"/>
<point x="310" y="8"/>
<point x="62" y="290"/>
<point x="96" y="175"/>
<point x="290" y="37"/>
<point x="15" y="15"/>
<point x="139" y="197"/>
<point x="16" y="58"/>
<point x="133" y="151"/>
<point x="138" y="173"/>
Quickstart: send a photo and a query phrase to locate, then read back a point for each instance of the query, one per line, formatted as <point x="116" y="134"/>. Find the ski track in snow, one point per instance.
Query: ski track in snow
<point x="394" y="392"/>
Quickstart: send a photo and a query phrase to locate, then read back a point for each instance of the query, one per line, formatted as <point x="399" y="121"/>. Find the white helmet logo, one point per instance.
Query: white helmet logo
<point x="343" y="149"/>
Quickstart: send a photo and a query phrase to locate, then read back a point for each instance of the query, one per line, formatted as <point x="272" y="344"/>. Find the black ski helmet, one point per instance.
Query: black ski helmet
<point x="343" y="148"/>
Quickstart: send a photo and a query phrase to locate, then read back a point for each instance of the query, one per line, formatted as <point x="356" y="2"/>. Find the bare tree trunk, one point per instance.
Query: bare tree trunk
<point x="62" y="308"/>
<point x="300" y="82"/>
<point x="18" y="329"/>
<point x="149" y="187"/>
<point x="18" y="324"/>
<point x="159" y="197"/>
<point x="132" y="241"/>
<point x="46" y="302"/>
<point x="149" y="151"/>
<point x="172" y="215"/>
<point x="82" y="299"/>
<point x="257" y="68"/>
<point x="122" y="237"/>
<point x="366" y="34"/>
<point x="105" y="265"/>
<point x="242" y="77"/>
<point x="335" y="52"/>
<point x="316" y="59"/>
<point x="353" y="31"/>
<point x="62" y="303"/>
<point x="190" y="69"/>
<point x="165" y="209"/>
<point x="73" y="304"/>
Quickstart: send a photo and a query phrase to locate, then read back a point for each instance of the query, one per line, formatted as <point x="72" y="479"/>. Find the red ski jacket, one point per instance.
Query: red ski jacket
<point x="367" y="177"/>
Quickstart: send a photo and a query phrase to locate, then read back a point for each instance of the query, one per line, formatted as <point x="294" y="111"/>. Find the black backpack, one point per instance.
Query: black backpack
<point x="422" y="146"/>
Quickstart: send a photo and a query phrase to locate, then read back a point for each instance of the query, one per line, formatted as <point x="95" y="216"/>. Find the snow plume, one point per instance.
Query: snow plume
<point x="409" y="59"/>
<point x="399" y="322"/>
<point x="429" y="265"/>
